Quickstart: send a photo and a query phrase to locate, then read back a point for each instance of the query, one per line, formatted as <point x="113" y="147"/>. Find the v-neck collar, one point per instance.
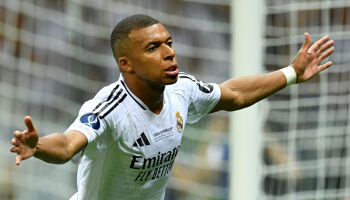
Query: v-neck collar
<point x="138" y="100"/>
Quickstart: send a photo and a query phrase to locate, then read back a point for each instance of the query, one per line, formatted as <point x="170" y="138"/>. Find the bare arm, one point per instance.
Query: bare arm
<point x="60" y="148"/>
<point x="242" y="92"/>
<point x="53" y="148"/>
<point x="239" y="93"/>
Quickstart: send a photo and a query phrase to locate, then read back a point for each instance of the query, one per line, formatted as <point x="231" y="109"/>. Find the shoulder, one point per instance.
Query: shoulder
<point x="106" y="100"/>
<point x="184" y="81"/>
<point x="192" y="83"/>
<point x="106" y="91"/>
<point x="185" y="76"/>
<point x="182" y="84"/>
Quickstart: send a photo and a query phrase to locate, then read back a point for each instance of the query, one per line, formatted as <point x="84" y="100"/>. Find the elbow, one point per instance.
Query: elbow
<point x="63" y="159"/>
<point x="244" y="100"/>
<point x="233" y="105"/>
<point x="238" y="103"/>
<point x="54" y="158"/>
<point x="59" y="162"/>
<point x="66" y="159"/>
<point x="68" y="155"/>
<point x="232" y="100"/>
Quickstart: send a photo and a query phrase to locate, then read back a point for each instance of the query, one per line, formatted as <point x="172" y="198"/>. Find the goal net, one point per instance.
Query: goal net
<point x="55" y="55"/>
<point x="306" y="151"/>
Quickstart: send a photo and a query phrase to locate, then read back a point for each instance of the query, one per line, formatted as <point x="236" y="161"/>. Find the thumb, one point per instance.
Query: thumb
<point x="307" y="42"/>
<point x="29" y="123"/>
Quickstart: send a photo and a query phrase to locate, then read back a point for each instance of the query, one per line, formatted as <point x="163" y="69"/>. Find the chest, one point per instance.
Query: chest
<point x="148" y="134"/>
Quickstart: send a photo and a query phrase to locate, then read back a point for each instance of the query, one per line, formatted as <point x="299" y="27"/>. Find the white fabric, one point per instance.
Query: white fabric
<point x="290" y="75"/>
<point x="131" y="150"/>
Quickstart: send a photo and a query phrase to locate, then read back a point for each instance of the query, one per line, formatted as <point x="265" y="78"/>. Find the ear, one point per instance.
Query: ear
<point x="125" y="64"/>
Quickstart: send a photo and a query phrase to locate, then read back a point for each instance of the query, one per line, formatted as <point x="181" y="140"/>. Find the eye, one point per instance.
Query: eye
<point x="170" y="43"/>
<point x="152" y="48"/>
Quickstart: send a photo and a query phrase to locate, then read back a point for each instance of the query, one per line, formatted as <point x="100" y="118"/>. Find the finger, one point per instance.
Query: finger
<point x="327" y="53"/>
<point x="326" y="46"/>
<point x="325" y="66"/>
<point x="307" y="42"/>
<point x="29" y="123"/>
<point x="14" y="142"/>
<point x="14" y="149"/>
<point x="18" y="134"/>
<point x="18" y="159"/>
<point x="318" y="44"/>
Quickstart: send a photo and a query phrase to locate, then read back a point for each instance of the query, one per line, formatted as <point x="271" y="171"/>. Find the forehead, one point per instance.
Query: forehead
<point x="156" y="32"/>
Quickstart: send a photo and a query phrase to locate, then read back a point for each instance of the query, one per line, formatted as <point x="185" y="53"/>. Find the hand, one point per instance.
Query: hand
<point x="25" y="142"/>
<point x="307" y="62"/>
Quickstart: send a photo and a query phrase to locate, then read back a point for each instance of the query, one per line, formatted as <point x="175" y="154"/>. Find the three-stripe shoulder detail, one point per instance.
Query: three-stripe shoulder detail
<point x="184" y="75"/>
<point x="106" y="106"/>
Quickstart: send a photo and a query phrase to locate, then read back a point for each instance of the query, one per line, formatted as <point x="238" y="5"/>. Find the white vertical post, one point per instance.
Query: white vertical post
<point x="247" y="21"/>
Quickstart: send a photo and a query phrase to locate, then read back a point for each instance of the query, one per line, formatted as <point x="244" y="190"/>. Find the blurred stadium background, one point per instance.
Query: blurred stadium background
<point x="55" y="54"/>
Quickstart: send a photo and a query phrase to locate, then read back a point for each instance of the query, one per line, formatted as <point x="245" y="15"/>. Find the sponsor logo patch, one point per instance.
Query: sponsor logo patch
<point x="90" y="120"/>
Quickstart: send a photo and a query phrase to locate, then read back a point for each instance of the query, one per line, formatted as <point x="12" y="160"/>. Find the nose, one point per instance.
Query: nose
<point x="169" y="52"/>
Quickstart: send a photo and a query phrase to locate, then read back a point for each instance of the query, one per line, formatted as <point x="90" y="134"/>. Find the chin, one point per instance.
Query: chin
<point x="171" y="80"/>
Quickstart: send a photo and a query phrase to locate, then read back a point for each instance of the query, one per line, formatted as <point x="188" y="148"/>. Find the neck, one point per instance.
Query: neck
<point x="150" y="94"/>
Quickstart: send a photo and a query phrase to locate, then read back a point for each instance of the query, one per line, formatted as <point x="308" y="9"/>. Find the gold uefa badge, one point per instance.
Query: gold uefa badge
<point x="179" y="122"/>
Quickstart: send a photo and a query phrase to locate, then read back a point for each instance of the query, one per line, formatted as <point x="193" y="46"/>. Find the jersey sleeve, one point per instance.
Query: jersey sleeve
<point x="88" y="122"/>
<point x="203" y="97"/>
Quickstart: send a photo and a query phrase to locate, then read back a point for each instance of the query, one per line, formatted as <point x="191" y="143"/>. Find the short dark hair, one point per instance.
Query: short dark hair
<point x="124" y="27"/>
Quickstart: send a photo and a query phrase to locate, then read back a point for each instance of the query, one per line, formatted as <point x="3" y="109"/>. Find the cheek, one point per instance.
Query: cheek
<point x="149" y="65"/>
<point x="148" y="70"/>
<point x="153" y="65"/>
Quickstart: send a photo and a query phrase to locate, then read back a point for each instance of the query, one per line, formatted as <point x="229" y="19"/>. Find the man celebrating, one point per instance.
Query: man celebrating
<point x="126" y="138"/>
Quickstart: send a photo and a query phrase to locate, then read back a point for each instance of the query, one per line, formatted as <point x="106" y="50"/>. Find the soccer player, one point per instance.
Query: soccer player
<point x="126" y="138"/>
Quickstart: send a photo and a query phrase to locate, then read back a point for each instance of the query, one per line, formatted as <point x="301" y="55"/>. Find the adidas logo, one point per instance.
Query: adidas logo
<point x="142" y="141"/>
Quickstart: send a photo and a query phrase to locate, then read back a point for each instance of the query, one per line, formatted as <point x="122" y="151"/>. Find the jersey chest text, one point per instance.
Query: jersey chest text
<point x="152" y="145"/>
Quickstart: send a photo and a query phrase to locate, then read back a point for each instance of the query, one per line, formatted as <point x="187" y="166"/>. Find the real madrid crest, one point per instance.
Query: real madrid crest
<point x="179" y="122"/>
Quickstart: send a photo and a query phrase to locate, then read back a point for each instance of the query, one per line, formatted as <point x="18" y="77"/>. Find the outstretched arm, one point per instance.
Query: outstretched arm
<point x="53" y="148"/>
<point x="242" y="92"/>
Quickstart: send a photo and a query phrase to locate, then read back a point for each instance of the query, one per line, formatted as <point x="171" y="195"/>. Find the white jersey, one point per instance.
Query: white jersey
<point x="131" y="150"/>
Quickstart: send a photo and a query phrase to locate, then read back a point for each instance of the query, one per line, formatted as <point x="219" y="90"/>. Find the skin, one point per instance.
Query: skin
<point x="242" y="92"/>
<point x="148" y="68"/>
